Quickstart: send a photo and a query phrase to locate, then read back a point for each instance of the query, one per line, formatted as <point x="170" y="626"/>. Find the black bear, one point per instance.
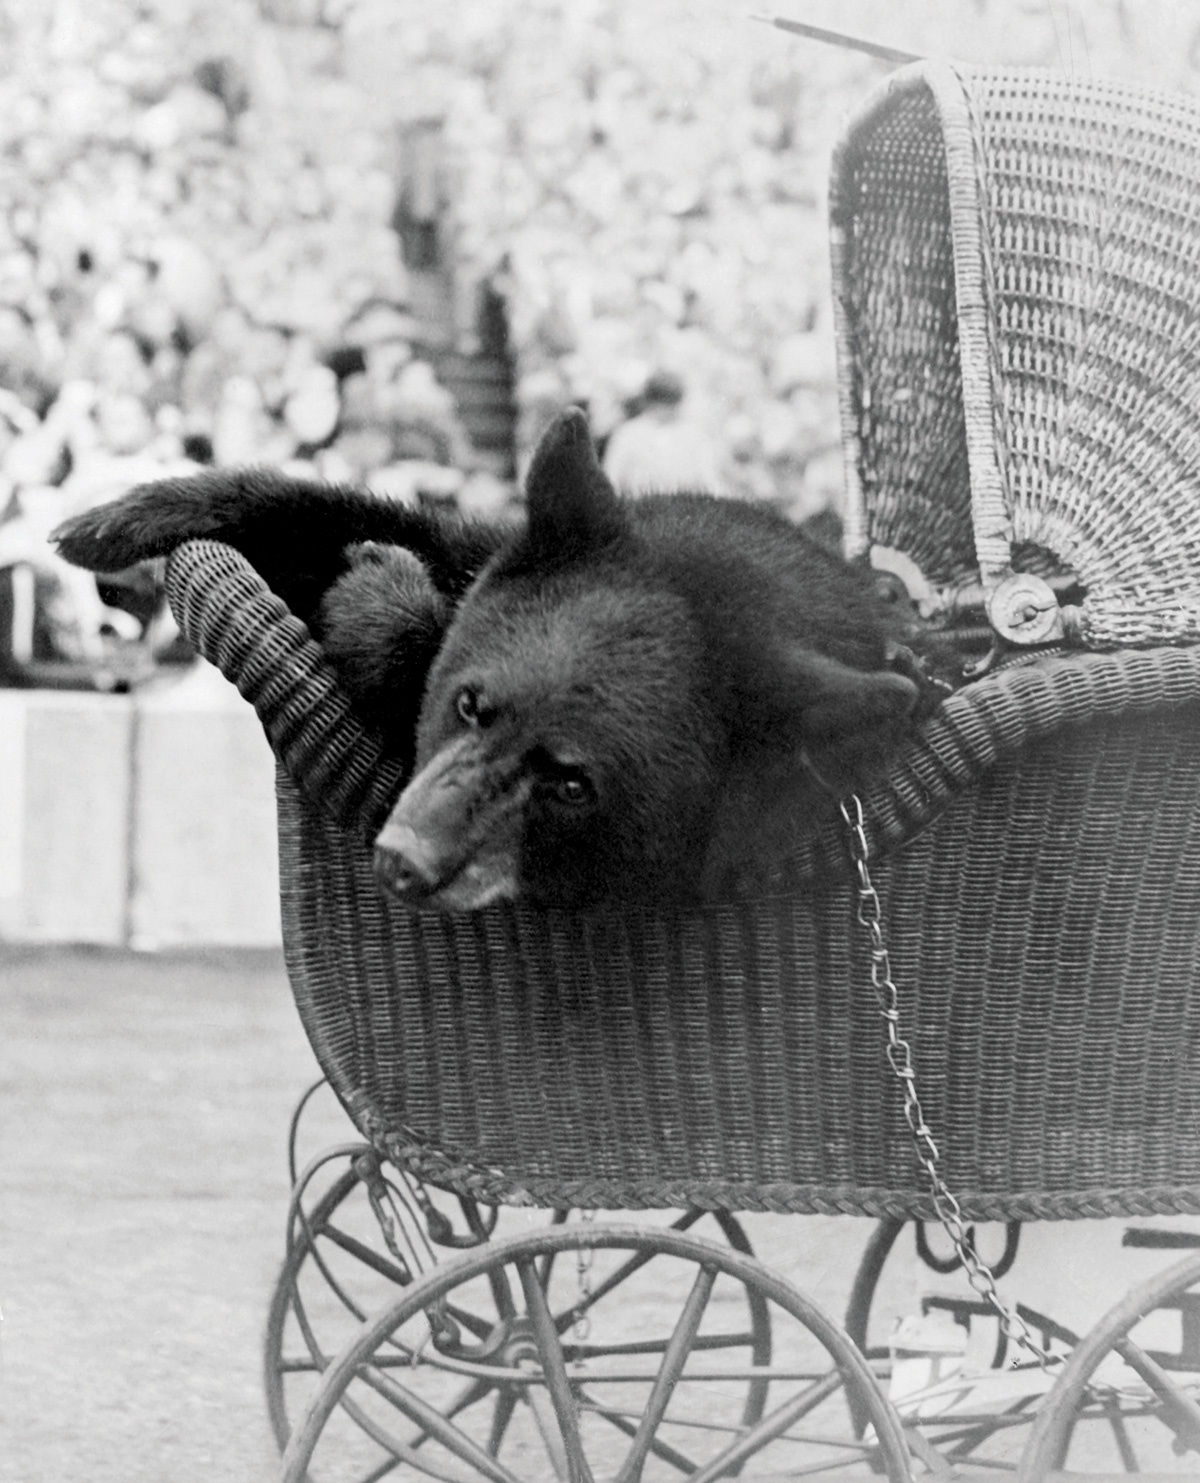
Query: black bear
<point x="612" y="700"/>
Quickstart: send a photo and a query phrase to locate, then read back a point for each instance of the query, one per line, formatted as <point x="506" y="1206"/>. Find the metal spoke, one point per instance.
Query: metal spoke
<point x="1077" y="1400"/>
<point x="563" y="1321"/>
<point x="773" y="1425"/>
<point x="406" y="1451"/>
<point x="623" y="1424"/>
<point x="365" y="1254"/>
<point x="526" y="1382"/>
<point x="468" y="1396"/>
<point x="922" y="1447"/>
<point x="971" y="1432"/>
<point x="312" y="1229"/>
<point x="554" y="1369"/>
<point x="1182" y="1414"/>
<point x="1116" y="1421"/>
<point x="298" y="1218"/>
<point x="388" y="1465"/>
<point x="506" y="1404"/>
<point x="434" y="1424"/>
<point x="581" y="1351"/>
<point x="546" y="1264"/>
<point x="674" y="1359"/>
<point x="481" y="1328"/>
<point x="501" y="1293"/>
<point x="546" y="1418"/>
<point x="398" y="1452"/>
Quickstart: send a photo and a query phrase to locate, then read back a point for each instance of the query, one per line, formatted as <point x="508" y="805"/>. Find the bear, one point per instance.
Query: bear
<point x="609" y="701"/>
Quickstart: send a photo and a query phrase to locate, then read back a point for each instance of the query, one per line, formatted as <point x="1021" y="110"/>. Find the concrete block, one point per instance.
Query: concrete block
<point x="64" y="816"/>
<point x="205" y="862"/>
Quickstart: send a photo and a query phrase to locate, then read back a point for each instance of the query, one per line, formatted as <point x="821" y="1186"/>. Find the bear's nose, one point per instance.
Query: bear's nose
<point x="406" y="871"/>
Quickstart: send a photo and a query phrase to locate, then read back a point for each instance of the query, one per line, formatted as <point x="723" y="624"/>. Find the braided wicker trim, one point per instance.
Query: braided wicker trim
<point x="495" y="1187"/>
<point x="975" y="295"/>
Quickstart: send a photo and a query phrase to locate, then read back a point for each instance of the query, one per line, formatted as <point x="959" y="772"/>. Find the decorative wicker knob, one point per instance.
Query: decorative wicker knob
<point x="1023" y="609"/>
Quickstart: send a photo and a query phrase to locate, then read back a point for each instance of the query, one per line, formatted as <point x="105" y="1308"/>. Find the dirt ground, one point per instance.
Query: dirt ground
<point x="144" y="1102"/>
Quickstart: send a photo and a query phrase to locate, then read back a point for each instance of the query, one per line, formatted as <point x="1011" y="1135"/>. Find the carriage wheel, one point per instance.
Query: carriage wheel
<point x="584" y="1351"/>
<point x="861" y="1303"/>
<point x="1128" y="1398"/>
<point x="866" y="1280"/>
<point x="338" y="1271"/>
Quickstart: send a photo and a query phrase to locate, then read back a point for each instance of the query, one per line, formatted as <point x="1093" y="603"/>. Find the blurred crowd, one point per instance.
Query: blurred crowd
<point x="655" y="175"/>
<point x="182" y="283"/>
<point x="193" y="270"/>
<point x="216" y="212"/>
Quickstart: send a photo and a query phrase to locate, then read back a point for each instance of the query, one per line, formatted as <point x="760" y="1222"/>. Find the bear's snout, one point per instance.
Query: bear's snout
<point x="405" y="866"/>
<point x="453" y="838"/>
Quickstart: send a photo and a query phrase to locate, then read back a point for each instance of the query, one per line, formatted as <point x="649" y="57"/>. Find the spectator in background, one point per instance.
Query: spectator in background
<point x="661" y="448"/>
<point x="55" y="629"/>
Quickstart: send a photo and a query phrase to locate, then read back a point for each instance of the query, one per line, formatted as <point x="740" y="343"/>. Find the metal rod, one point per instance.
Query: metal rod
<point x="365" y="1254"/>
<point x="579" y="1351"/>
<point x="1182" y="1412"/>
<point x="554" y="1371"/>
<point x="432" y="1424"/>
<point x="506" y="1404"/>
<point x="628" y="1425"/>
<point x="773" y="1425"/>
<point x="674" y="1359"/>
<point x="840" y="38"/>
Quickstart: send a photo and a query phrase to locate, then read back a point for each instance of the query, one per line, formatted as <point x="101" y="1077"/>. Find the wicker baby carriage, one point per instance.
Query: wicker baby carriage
<point x="1036" y="848"/>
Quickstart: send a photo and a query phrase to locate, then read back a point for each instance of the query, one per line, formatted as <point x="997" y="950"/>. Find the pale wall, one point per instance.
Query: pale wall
<point x="144" y="821"/>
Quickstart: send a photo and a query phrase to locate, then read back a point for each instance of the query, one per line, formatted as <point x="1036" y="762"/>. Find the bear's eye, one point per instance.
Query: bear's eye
<point x="573" y="787"/>
<point x="466" y="706"/>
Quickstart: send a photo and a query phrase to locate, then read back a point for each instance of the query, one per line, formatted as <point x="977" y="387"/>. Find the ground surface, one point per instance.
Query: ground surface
<point x="143" y="1108"/>
<point x="142" y="1115"/>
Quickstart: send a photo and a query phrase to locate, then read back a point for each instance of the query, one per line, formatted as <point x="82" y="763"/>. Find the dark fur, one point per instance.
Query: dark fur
<point x="617" y="700"/>
<point x="381" y="625"/>
<point x="298" y="534"/>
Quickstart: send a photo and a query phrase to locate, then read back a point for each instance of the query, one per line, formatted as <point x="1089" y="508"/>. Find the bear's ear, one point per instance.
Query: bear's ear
<point x="572" y="507"/>
<point x="848" y="719"/>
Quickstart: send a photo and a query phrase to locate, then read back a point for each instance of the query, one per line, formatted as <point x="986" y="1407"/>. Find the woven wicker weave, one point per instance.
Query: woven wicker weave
<point x="1017" y="291"/>
<point x="1038" y="853"/>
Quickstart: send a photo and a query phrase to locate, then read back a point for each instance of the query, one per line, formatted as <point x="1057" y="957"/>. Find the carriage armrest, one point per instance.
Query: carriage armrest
<point x="237" y="623"/>
<point x="235" y="620"/>
<point x="1012" y="709"/>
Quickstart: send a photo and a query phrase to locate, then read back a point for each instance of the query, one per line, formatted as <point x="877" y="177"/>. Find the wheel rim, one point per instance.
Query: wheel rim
<point x="320" y="1300"/>
<point x="622" y="1364"/>
<point x="1120" y="1400"/>
<point x="286" y="1305"/>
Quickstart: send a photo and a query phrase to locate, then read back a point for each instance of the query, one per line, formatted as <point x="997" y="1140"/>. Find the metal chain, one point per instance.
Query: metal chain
<point x="369" y="1171"/>
<point x="585" y="1257"/>
<point x="900" y="1058"/>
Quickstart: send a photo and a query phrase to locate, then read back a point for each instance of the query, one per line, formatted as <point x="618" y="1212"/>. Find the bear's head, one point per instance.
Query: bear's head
<point x="623" y="700"/>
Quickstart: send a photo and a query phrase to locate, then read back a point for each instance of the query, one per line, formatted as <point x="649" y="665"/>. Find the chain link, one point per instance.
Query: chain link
<point x="585" y="1257"/>
<point x="900" y="1058"/>
<point x="368" y="1169"/>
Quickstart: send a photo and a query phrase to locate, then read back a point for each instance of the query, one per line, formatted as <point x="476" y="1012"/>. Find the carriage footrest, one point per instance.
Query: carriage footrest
<point x="1161" y="1240"/>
